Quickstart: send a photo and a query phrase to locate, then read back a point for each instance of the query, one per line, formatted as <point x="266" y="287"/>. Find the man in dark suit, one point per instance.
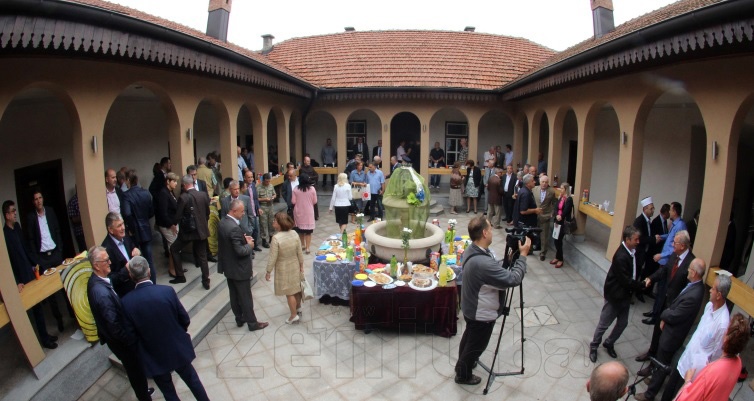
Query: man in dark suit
<point x="191" y="202"/>
<point x="253" y="211"/>
<point x="245" y="219"/>
<point x="45" y="244"/>
<point x="199" y="185"/>
<point x="674" y="275"/>
<point x="508" y="184"/>
<point x="111" y="326"/>
<point x="287" y="191"/>
<point x="525" y="208"/>
<point x="360" y="148"/>
<point x="643" y="223"/>
<point x="620" y="283"/>
<point x="120" y="248"/>
<point x="377" y="150"/>
<point x="234" y="260"/>
<point x="676" y="322"/>
<point x="23" y="270"/>
<point x="138" y="208"/>
<point x="159" y="321"/>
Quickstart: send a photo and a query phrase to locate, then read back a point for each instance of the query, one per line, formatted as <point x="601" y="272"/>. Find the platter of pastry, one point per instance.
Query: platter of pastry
<point x="422" y="284"/>
<point x="380" y="278"/>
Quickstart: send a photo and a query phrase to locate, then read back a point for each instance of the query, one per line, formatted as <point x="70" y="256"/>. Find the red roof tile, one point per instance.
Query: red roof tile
<point x="392" y="59"/>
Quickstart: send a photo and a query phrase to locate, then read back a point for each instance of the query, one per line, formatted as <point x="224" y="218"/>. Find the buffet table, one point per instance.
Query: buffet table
<point x="406" y="309"/>
<point x="333" y="279"/>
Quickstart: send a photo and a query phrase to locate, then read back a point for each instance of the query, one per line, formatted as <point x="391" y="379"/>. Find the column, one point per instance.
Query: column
<point x="284" y="139"/>
<point x="519" y="124"/>
<point x="555" y="147"/>
<point x="261" y="144"/>
<point x="584" y="155"/>
<point x="535" y="122"/>
<point x="424" y="147"/>
<point x="386" y="153"/>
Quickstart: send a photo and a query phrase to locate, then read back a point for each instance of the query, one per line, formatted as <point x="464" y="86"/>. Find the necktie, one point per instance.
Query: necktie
<point x="675" y="269"/>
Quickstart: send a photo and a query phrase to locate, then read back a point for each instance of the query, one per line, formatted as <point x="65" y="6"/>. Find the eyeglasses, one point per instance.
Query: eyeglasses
<point x="103" y="260"/>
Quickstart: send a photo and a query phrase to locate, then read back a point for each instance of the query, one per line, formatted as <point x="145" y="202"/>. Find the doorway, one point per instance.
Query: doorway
<point x="46" y="177"/>
<point x="406" y="127"/>
<point x="573" y="150"/>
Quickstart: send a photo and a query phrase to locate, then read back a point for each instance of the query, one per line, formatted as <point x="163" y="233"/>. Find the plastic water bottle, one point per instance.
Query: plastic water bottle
<point x="393" y="267"/>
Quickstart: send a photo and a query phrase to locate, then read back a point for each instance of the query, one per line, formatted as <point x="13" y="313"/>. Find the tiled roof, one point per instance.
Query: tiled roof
<point x="418" y="59"/>
<point x="140" y="15"/>
<point x="654" y="17"/>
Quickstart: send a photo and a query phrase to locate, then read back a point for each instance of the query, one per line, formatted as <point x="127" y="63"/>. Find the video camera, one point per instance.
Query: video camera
<point x="520" y="233"/>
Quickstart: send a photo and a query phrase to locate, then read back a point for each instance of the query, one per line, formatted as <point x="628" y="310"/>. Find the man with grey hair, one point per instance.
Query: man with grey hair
<point x="495" y="198"/>
<point x="192" y="206"/>
<point x="120" y="249"/>
<point x="157" y="318"/>
<point x="204" y="173"/>
<point x="525" y="209"/>
<point x="675" y="323"/>
<point x="608" y="382"/>
<point x="111" y="323"/>
<point x="706" y="343"/>
<point x="545" y="198"/>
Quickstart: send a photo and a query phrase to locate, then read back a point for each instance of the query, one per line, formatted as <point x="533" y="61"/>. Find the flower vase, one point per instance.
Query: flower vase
<point x="405" y="261"/>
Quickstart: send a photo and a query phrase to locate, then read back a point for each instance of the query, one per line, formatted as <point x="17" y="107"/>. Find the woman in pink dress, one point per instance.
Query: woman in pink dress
<point x="304" y="199"/>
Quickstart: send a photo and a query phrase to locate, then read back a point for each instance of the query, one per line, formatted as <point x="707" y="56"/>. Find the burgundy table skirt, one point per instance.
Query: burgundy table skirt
<point x="406" y="309"/>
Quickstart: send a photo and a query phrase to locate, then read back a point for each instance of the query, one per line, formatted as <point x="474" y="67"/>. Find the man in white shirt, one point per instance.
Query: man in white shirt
<point x="114" y="194"/>
<point x="400" y="153"/>
<point x="489" y="155"/>
<point x="241" y="162"/>
<point x="508" y="155"/>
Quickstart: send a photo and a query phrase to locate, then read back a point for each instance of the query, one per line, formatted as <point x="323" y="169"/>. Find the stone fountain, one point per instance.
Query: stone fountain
<point x="406" y="201"/>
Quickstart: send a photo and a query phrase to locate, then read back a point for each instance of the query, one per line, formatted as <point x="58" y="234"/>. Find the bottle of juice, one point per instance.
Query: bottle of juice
<point x="393" y="267"/>
<point x="357" y="237"/>
<point x="443" y="273"/>
<point x="344" y="239"/>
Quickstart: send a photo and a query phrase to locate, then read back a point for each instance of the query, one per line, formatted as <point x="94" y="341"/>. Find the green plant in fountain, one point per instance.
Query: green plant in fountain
<point x="406" y="201"/>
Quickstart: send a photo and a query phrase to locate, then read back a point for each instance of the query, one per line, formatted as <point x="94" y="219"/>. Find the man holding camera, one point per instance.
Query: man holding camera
<point x="483" y="295"/>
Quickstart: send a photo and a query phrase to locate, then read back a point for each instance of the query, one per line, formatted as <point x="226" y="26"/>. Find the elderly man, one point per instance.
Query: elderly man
<point x="308" y="170"/>
<point x="533" y="172"/>
<point x="111" y="325"/>
<point x="608" y="382"/>
<point x="120" y="249"/>
<point x="643" y="223"/>
<point x="525" y="208"/>
<point x="234" y="253"/>
<point x="489" y="155"/>
<point x="677" y="224"/>
<point x="675" y="323"/>
<point x="674" y="277"/>
<point x="545" y="198"/>
<point x="706" y="343"/>
<point x="487" y="173"/>
<point x="266" y="193"/>
<point x="204" y="173"/>
<point x="495" y="198"/>
<point x="463" y="151"/>
<point x="620" y="283"/>
<point x="192" y="204"/>
<point x="159" y="321"/>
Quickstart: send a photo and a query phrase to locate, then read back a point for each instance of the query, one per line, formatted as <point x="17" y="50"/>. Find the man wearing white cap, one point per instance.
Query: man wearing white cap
<point x="642" y="223"/>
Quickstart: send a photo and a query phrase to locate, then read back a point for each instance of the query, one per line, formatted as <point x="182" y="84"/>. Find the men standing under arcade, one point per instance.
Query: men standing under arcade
<point x="113" y="192"/>
<point x="137" y="210"/>
<point x="266" y="193"/>
<point x="192" y="205"/>
<point x="545" y="198"/>
<point x="329" y="157"/>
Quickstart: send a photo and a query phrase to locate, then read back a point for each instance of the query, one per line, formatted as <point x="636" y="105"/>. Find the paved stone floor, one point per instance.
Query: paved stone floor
<point x="324" y="358"/>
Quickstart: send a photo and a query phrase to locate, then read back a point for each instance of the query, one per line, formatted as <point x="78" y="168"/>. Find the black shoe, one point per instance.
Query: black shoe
<point x="610" y="350"/>
<point x="50" y="345"/>
<point x="257" y="249"/>
<point x="205" y="284"/>
<point x="640" y="297"/>
<point x="257" y="326"/>
<point x="150" y="390"/>
<point x="178" y="280"/>
<point x="171" y="275"/>
<point x="593" y="355"/>
<point x="211" y="258"/>
<point x="647" y="314"/>
<point x="265" y="244"/>
<point x="650" y="321"/>
<point x="239" y="323"/>
<point x="472" y="380"/>
<point x="643" y="357"/>
<point x="541" y="256"/>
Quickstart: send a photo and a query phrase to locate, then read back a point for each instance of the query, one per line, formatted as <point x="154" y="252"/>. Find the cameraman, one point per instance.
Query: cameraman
<point x="483" y="295"/>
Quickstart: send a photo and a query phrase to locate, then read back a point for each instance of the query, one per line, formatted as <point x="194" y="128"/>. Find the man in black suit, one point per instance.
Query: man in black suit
<point x="377" y="150"/>
<point x="287" y="190"/>
<point x="253" y="211"/>
<point x="199" y="185"/>
<point x="508" y="182"/>
<point x="676" y="322"/>
<point x="45" y="244"/>
<point x="234" y="260"/>
<point x="111" y="326"/>
<point x="196" y="204"/>
<point x="360" y="148"/>
<point x="643" y="223"/>
<point x="245" y="219"/>
<point x="674" y="275"/>
<point x="525" y="209"/>
<point x="138" y="208"/>
<point x="160" y="323"/>
<point x="620" y="283"/>
<point x="120" y="248"/>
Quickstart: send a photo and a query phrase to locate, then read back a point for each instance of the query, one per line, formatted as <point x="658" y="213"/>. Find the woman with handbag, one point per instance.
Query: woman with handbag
<point x="287" y="260"/>
<point x="455" y="199"/>
<point x="472" y="183"/>
<point x="563" y="218"/>
<point x="358" y="180"/>
<point x="341" y="201"/>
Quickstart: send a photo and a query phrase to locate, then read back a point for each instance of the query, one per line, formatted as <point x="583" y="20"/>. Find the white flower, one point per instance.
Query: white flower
<point x="407" y="230"/>
<point x="360" y="215"/>
<point x="452" y="221"/>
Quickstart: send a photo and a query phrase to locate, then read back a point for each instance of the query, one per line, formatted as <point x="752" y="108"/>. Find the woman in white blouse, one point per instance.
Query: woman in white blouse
<point x="341" y="200"/>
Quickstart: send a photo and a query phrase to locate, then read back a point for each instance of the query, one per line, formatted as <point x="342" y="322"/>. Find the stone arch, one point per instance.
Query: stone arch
<point x="405" y="127"/>
<point x="319" y="126"/>
<point x="495" y="129"/>
<point x="276" y="130"/>
<point x="372" y="125"/>
<point x="249" y="131"/>
<point x="444" y="128"/>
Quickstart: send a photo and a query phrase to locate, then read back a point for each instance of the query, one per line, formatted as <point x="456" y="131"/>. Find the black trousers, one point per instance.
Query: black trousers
<point x="189" y="376"/>
<point x="473" y="343"/>
<point x="54" y="259"/>
<point x="200" y="252"/>
<point x="133" y="368"/>
<point x="674" y="384"/>
<point x="241" y="302"/>
<point x="664" y="356"/>
<point x="508" y="206"/>
<point x="559" y="243"/>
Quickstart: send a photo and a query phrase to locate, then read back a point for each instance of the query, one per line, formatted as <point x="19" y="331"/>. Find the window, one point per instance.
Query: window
<point x="454" y="132"/>
<point x="355" y="129"/>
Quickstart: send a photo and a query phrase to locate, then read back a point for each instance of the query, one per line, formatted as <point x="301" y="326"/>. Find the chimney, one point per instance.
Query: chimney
<point x="217" y="21"/>
<point x="469" y="29"/>
<point x="350" y="29"/>
<point x="267" y="43"/>
<point x="602" y="16"/>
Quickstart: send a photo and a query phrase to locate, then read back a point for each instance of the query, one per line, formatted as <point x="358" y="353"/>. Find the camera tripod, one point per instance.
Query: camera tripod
<point x="506" y="311"/>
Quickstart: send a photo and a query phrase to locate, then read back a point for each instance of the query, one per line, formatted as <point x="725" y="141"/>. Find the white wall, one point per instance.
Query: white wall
<point x="206" y="131"/>
<point x="319" y="127"/>
<point x="605" y="158"/>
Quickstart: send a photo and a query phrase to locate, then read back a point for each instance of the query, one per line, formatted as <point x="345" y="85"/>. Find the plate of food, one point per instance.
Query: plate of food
<point x="322" y="252"/>
<point x="50" y="271"/>
<point x="380" y="278"/>
<point x="334" y="242"/>
<point x="451" y="275"/>
<point x="423" y="269"/>
<point x="69" y="261"/>
<point x="405" y="277"/>
<point x="336" y="250"/>
<point x="422" y="284"/>
<point x="369" y="284"/>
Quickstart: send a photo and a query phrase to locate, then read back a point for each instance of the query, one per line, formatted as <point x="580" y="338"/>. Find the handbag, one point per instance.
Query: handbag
<point x="571" y="225"/>
<point x="306" y="290"/>
<point x="188" y="221"/>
